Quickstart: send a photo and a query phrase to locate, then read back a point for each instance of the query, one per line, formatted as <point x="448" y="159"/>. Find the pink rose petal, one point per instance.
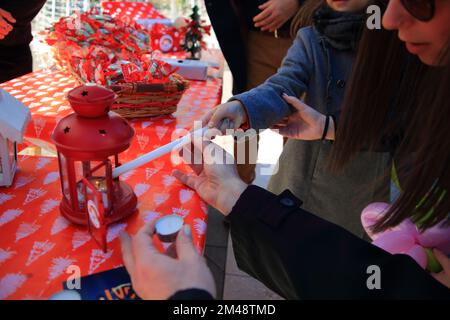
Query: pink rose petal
<point x="419" y="255"/>
<point x="395" y="242"/>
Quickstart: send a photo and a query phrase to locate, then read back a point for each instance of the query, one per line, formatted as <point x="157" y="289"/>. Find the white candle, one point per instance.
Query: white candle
<point x="152" y="155"/>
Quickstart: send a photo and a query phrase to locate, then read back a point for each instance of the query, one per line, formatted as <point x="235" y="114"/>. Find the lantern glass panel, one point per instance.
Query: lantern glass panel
<point x="86" y="168"/>
<point x="12" y="150"/>
<point x="78" y="166"/>
<point x="98" y="178"/>
<point x="64" y="176"/>
<point x="98" y="169"/>
<point x="113" y="161"/>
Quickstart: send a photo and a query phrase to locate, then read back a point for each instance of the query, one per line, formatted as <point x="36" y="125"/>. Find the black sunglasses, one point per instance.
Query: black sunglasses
<point x="422" y="10"/>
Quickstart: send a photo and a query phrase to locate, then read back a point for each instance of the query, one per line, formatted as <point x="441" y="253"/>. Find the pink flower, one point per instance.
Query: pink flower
<point x="405" y="238"/>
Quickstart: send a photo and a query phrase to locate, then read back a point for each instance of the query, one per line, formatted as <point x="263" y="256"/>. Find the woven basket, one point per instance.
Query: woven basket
<point x="139" y="100"/>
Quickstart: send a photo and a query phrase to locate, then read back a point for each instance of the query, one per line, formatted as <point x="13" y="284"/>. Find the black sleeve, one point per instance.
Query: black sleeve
<point x="301" y="256"/>
<point x="191" y="294"/>
<point x="227" y="28"/>
<point x="24" y="12"/>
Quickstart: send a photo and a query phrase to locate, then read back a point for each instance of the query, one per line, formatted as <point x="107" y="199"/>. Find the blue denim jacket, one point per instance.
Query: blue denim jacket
<point x="311" y="66"/>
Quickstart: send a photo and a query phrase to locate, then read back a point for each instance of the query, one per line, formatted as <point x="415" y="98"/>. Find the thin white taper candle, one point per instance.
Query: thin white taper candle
<point x="152" y="155"/>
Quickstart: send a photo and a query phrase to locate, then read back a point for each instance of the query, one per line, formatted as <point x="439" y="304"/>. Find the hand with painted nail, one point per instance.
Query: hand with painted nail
<point x="275" y="13"/>
<point x="6" y="21"/>
<point x="229" y="115"/>
<point x="157" y="276"/>
<point x="443" y="276"/>
<point x="304" y="124"/>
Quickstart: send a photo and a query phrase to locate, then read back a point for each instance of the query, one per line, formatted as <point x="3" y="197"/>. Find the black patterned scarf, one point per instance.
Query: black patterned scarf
<point x="341" y="30"/>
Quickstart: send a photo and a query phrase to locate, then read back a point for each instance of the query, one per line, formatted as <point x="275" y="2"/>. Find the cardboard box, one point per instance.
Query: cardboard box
<point x="190" y="69"/>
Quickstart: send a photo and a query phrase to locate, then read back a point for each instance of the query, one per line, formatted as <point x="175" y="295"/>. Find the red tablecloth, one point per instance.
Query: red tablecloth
<point x="132" y="10"/>
<point x="37" y="244"/>
<point x="45" y="94"/>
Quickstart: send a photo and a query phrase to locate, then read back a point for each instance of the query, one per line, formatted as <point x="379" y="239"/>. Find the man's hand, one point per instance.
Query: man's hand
<point x="157" y="276"/>
<point x="275" y="13"/>
<point x="216" y="180"/>
<point x="6" y="19"/>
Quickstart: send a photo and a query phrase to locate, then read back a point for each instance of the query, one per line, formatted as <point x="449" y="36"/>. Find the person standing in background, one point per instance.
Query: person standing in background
<point x="267" y="25"/>
<point x="254" y="36"/>
<point x="15" y="37"/>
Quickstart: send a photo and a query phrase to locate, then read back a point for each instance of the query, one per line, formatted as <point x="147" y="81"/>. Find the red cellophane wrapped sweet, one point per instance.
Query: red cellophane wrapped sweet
<point x="116" y="53"/>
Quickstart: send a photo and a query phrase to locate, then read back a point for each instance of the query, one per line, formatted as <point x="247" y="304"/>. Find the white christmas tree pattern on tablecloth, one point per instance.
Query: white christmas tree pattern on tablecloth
<point x="22" y="181"/>
<point x="34" y="194"/>
<point x="180" y="211"/>
<point x="6" y="254"/>
<point x="42" y="162"/>
<point x="142" y="140"/>
<point x="200" y="226"/>
<point x="59" y="266"/>
<point x="10" y="283"/>
<point x="39" y="249"/>
<point x="59" y="224"/>
<point x="185" y="195"/>
<point x="161" y="131"/>
<point x="160" y="198"/>
<point x="5" y="197"/>
<point x="149" y="216"/>
<point x="26" y="229"/>
<point x="141" y="188"/>
<point x="114" y="230"/>
<point x="48" y="205"/>
<point x="51" y="177"/>
<point x="97" y="258"/>
<point x="80" y="238"/>
<point x="168" y="180"/>
<point x="149" y="172"/>
<point x="125" y="176"/>
<point x="9" y="215"/>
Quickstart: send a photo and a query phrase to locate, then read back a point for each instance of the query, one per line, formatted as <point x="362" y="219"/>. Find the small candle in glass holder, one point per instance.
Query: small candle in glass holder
<point x="100" y="184"/>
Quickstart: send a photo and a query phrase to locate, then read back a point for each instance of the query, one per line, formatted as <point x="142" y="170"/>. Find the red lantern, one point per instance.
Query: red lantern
<point x="88" y="143"/>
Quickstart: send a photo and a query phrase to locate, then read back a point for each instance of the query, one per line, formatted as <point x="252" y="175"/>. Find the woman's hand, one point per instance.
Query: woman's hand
<point x="229" y="115"/>
<point x="158" y="276"/>
<point x="5" y="23"/>
<point x="443" y="276"/>
<point x="305" y="124"/>
<point x="275" y="13"/>
<point x="216" y="180"/>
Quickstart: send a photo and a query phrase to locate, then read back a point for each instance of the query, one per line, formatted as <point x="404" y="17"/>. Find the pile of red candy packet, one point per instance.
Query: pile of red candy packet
<point x="100" y="49"/>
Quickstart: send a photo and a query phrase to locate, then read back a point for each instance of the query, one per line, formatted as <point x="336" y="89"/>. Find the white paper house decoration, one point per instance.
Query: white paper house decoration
<point x="14" y="117"/>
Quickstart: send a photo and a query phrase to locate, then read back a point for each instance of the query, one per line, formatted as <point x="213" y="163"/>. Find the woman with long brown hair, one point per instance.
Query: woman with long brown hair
<point x="299" y="255"/>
